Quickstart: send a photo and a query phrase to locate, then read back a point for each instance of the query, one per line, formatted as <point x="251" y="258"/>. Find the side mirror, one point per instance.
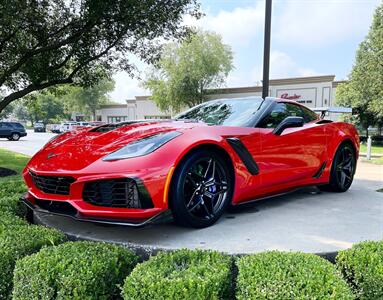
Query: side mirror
<point x="288" y="122"/>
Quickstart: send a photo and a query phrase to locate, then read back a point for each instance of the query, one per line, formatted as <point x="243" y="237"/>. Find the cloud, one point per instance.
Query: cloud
<point x="321" y="23"/>
<point x="237" y="27"/>
<point x="125" y="88"/>
<point x="296" y="24"/>
<point x="282" y="66"/>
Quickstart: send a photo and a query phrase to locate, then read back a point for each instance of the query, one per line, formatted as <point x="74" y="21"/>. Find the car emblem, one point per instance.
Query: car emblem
<point x="50" y="155"/>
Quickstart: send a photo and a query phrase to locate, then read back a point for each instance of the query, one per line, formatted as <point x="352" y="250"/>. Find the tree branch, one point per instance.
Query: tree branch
<point x="71" y="39"/>
<point x="31" y="88"/>
<point x="35" y="87"/>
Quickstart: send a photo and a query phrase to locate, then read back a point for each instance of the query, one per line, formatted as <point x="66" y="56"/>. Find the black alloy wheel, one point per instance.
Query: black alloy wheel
<point x="202" y="189"/>
<point x="343" y="169"/>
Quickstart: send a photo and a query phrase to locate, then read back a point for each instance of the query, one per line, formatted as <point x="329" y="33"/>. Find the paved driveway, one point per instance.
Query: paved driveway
<point x="29" y="144"/>
<point x="307" y="220"/>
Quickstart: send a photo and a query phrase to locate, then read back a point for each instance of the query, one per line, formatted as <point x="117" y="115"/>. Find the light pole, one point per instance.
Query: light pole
<point x="266" y="50"/>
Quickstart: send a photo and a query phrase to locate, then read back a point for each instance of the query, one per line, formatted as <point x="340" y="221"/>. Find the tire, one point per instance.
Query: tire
<point x="201" y="189"/>
<point x="342" y="170"/>
<point x="15" y="136"/>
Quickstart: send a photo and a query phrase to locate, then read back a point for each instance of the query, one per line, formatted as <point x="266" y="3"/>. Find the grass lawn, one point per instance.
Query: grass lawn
<point x="14" y="161"/>
<point x="374" y="150"/>
<point x="376" y="161"/>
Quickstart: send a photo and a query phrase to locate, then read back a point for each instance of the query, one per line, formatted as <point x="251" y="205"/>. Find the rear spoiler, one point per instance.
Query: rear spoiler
<point x="339" y="110"/>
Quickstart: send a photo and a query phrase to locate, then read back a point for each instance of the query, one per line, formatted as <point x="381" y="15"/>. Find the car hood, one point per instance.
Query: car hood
<point x="75" y="150"/>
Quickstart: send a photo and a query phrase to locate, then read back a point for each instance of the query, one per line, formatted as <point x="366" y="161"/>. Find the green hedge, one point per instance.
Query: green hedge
<point x="183" y="274"/>
<point x="13" y="205"/>
<point x="283" y="275"/>
<point x="9" y="220"/>
<point x="362" y="266"/>
<point x="74" y="270"/>
<point x="17" y="242"/>
<point x="10" y="192"/>
<point x="14" y="186"/>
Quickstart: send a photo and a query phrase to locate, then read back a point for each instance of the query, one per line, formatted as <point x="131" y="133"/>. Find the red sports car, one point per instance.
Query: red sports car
<point x="218" y="154"/>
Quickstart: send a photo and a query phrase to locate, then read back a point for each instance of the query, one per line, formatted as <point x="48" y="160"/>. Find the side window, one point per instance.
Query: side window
<point x="309" y="115"/>
<point x="276" y="116"/>
<point x="294" y="110"/>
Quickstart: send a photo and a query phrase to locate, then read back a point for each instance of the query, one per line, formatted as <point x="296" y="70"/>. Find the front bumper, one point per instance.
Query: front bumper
<point x="58" y="208"/>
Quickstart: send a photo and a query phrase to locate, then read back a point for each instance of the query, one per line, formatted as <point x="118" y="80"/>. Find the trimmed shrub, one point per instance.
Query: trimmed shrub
<point x="182" y="274"/>
<point x="17" y="242"/>
<point x="12" y="187"/>
<point x="284" y="275"/>
<point x="13" y="205"/>
<point x="74" y="270"/>
<point x="9" y="220"/>
<point x="362" y="266"/>
<point x="10" y="192"/>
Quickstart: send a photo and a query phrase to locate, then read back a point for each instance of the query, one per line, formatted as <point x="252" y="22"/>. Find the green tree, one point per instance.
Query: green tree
<point x="7" y="112"/>
<point x="364" y="91"/>
<point x="88" y="100"/>
<point x="21" y="111"/>
<point x="187" y="70"/>
<point x="49" y="42"/>
<point x="44" y="106"/>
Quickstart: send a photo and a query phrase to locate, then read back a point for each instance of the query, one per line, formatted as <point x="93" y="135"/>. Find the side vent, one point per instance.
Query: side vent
<point x="318" y="173"/>
<point x="244" y="155"/>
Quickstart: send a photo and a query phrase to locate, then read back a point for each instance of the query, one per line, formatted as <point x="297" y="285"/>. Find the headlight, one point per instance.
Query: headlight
<point x="143" y="146"/>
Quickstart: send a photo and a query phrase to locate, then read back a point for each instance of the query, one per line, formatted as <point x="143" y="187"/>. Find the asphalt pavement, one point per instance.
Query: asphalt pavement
<point x="307" y="220"/>
<point x="29" y="144"/>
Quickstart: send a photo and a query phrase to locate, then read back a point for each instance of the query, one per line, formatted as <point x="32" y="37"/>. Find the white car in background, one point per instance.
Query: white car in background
<point x="67" y="126"/>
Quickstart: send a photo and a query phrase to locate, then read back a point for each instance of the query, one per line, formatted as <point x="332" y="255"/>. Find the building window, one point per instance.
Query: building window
<point x="156" y="117"/>
<point x="117" y="119"/>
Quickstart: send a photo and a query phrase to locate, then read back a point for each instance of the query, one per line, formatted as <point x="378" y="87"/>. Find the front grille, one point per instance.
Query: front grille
<point x="52" y="184"/>
<point x="58" y="207"/>
<point x="122" y="192"/>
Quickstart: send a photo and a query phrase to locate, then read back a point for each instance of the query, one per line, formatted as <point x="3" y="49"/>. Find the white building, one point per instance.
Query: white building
<point x="315" y="91"/>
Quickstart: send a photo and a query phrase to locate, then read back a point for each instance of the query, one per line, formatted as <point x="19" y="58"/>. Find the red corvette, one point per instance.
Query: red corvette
<point x="218" y="154"/>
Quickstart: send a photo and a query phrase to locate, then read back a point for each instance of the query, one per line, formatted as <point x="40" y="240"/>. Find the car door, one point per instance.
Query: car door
<point x="293" y="156"/>
<point x="5" y="129"/>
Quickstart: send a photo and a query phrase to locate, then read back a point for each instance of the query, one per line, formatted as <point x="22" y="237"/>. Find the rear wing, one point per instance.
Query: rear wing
<point x="339" y="110"/>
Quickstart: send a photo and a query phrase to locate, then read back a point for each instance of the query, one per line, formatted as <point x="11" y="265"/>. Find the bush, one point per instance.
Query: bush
<point x="9" y="220"/>
<point x="13" y="205"/>
<point x="17" y="242"/>
<point x="12" y="187"/>
<point x="10" y="192"/>
<point x="74" y="270"/>
<point x="362" y="266"/>
<point x="283" y="275"/>
<point x="183" y="274"/>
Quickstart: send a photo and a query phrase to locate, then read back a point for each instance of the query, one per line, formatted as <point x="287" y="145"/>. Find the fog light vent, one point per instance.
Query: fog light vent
<point x="122" y="193"/>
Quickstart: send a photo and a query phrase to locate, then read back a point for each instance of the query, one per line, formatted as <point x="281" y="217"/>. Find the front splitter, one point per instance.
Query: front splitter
<point x="162" y="217"/>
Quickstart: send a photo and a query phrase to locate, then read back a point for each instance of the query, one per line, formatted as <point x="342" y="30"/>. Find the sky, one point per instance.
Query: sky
<point x="308" y="38"/>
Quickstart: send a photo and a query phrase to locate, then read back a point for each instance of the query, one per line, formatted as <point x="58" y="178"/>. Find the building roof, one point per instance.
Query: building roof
<point x="113" y="106"/>
<point x="336" y="83"/>
<point x="300" y="80"/>
<point x="235" y="90"/>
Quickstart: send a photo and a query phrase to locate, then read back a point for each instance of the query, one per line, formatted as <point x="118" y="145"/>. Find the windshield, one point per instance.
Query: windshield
<point x="226" y="112"/>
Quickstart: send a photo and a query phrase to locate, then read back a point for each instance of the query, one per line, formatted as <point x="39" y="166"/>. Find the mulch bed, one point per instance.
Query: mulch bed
<point x="6" y="172"/>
